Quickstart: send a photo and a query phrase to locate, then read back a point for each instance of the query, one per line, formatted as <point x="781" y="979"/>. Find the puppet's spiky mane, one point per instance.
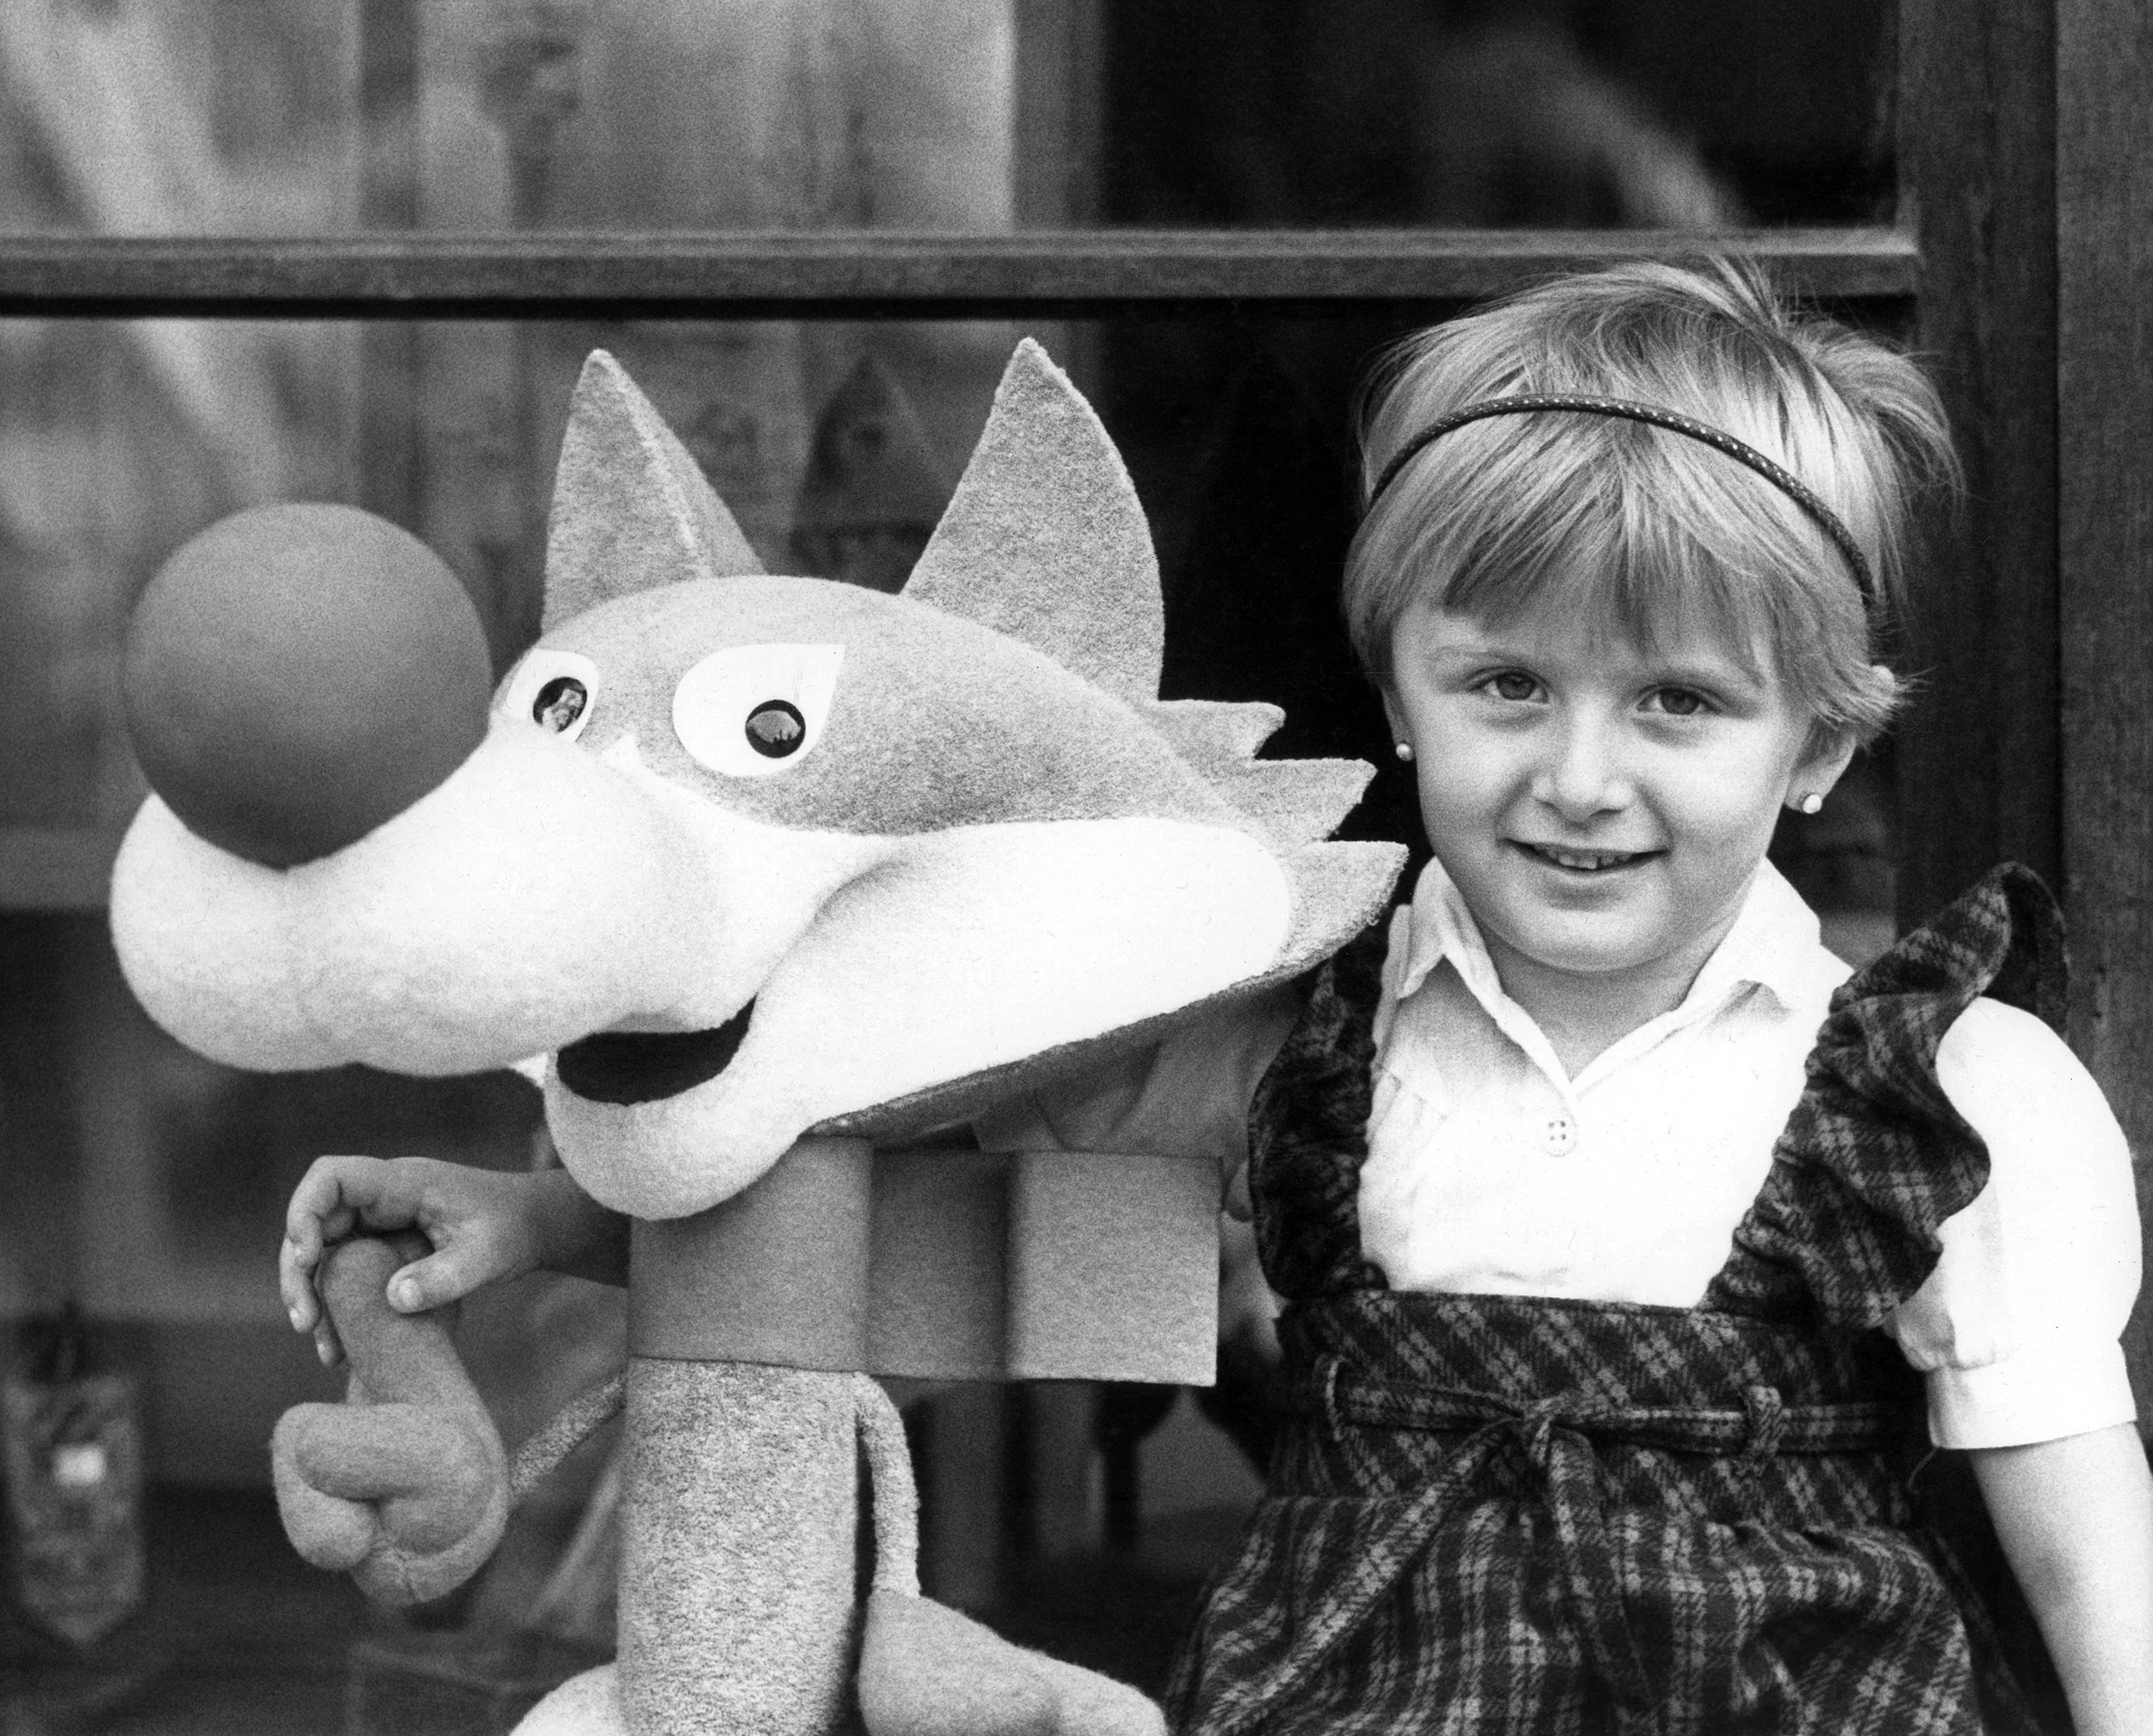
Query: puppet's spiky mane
<point x="1046" y="499"/>
<point x="1294" y="802"/>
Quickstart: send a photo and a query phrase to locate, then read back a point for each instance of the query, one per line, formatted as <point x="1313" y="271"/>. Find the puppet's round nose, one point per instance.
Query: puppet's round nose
<point x="296" y="675"/>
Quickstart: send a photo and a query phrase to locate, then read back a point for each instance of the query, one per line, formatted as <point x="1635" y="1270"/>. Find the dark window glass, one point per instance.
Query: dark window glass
<point x="282" y="117"/>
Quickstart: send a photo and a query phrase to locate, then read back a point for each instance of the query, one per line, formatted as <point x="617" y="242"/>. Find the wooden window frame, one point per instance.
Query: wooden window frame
<point x="877" y="274"/>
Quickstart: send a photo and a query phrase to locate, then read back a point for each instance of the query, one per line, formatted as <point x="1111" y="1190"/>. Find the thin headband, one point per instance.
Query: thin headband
<point x="1777" y="475"/>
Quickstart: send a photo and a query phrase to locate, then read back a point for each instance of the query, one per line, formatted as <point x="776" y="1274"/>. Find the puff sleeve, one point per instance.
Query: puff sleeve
<point x="2018" y="1329"/>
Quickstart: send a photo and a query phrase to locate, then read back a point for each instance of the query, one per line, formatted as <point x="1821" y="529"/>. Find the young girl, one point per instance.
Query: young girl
<point x="1622" y="1236"/>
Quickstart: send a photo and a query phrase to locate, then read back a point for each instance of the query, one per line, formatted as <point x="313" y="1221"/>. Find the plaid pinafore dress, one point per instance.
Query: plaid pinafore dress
<point x="1525" y="1515"/>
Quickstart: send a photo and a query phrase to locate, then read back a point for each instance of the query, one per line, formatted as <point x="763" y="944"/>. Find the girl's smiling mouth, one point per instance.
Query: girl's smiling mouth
<point x="1582" y="861"/>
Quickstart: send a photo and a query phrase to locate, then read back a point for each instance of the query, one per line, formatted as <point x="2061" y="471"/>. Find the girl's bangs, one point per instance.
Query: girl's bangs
<point x="1600" y="538"/>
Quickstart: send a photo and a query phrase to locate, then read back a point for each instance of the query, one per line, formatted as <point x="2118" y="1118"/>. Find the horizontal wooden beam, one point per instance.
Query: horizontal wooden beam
<point x="851" y="275"/>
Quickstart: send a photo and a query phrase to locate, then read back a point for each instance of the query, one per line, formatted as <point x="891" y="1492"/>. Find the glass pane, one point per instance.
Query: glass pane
<point x="289" y="116"/>
<point x="1650" y="114"/>
<point x="148" y="1184"/>
<point x="295" y="116"/>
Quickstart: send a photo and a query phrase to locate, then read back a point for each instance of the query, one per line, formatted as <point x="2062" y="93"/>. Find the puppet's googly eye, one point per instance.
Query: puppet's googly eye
<point x="561" y="705"/>
<point x="776" y="729"/>
<point x="750" y="711"/>
<point x="556" y="689"/>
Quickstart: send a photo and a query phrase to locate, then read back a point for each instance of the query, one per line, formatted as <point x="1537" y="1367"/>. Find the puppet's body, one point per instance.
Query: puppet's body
<point x="754" y="858"/>
<point x="737" y="1593"/>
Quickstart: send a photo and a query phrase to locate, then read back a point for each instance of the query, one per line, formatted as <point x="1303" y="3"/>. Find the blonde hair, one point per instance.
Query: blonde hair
<point x="1640" y="528"/>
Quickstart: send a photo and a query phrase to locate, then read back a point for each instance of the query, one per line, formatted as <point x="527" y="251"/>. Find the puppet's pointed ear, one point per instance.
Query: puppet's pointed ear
<point x="1044" y="540"/>
<point x="631" y="509"/>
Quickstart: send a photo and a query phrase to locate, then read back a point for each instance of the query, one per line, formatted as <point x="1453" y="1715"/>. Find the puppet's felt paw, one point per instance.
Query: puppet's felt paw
<point x="405" y="1484"/>
<point x="927" y="1670"/>
<point x="402" y="1499"/>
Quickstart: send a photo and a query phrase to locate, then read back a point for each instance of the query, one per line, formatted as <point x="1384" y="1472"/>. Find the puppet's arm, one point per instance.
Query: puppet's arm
<point x="405" y="1482"/>
<point x="484" y="1227"/>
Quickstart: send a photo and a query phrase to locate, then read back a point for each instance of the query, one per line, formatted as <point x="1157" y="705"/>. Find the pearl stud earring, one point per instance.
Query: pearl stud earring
<point x="1404" y="750"/>
<point x="1810" y="803"/>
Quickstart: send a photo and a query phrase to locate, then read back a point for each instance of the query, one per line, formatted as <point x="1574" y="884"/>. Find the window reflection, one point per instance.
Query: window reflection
<point x="1670" y="114"/>
<point x="296" y="116"/>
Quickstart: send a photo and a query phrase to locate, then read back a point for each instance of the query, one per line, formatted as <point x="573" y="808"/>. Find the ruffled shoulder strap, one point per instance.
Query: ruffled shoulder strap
<point x="1308" y="1131"/>
<point x="1874" y="1157"/>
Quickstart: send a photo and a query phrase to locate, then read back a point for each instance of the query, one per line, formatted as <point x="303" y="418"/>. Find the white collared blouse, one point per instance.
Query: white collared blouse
<point x="1490" y="1169"/>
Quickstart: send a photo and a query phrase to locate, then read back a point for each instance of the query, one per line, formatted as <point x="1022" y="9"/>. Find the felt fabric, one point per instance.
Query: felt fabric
<point x="938" y="1272"/>
<point x="630" y="507"/>
<point x="974" y="948"/>
<point x="1114" y="1268"/>
<point x="202" y="945"/>
<point x="443" y="939"/>
<point x="542" y="894"/>
<point x="934" y="721"/>
<point x="949" y="1265"/>
<point x="585" y="1705"/>
<point x="245" y="706"/>
<point x="1044" y="501"/>
<point x="405" y="1482"/>
<point x="737" y="1605"/>
<point x="778" y="1274"/>
<point x="1216" y="735"/>
<point x="1330" y="906"/>
<point x="466" y="934"/>
<point x="540" y="1456"/>
<point x="997" y="849"/>
<point x="894" y="1494"/>
<point x="1297" y="801"/>
<point x="926" y="1670"/>
<point x="991" y="855"/>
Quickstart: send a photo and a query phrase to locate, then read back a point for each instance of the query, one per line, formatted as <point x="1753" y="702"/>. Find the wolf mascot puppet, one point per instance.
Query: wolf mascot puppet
<point x="774" y="872"/>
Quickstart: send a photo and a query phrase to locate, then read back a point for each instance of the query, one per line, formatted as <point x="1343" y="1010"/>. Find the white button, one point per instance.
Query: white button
<point x="1561" y="1136"/>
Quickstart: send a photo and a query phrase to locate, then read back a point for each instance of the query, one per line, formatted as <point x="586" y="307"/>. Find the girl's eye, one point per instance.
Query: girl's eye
<point x="1679" y="701"/>
<point x="755" y="710"/>
<point x="1513" y="684"/>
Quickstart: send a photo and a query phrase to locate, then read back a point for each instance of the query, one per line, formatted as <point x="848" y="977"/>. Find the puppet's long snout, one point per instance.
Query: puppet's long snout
<point x="298" y="675"/>
<point x="536" y="895"/>
<point x="309" y="691"/>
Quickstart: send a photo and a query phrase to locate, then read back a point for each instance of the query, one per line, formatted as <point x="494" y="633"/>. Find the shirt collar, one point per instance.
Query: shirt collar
<point x="1773" y="944"/>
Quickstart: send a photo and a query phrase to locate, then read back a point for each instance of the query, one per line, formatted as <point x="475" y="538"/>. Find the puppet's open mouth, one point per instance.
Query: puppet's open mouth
<point x="642" y="1066"/>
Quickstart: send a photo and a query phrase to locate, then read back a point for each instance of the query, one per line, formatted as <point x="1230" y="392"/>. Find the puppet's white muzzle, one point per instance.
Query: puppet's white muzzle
<point x="543" y="893"/>
<point x="535" y="895"/>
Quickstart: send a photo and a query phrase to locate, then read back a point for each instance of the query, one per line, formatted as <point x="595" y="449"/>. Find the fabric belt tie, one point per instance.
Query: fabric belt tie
<point x="1554" y="1437"/>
